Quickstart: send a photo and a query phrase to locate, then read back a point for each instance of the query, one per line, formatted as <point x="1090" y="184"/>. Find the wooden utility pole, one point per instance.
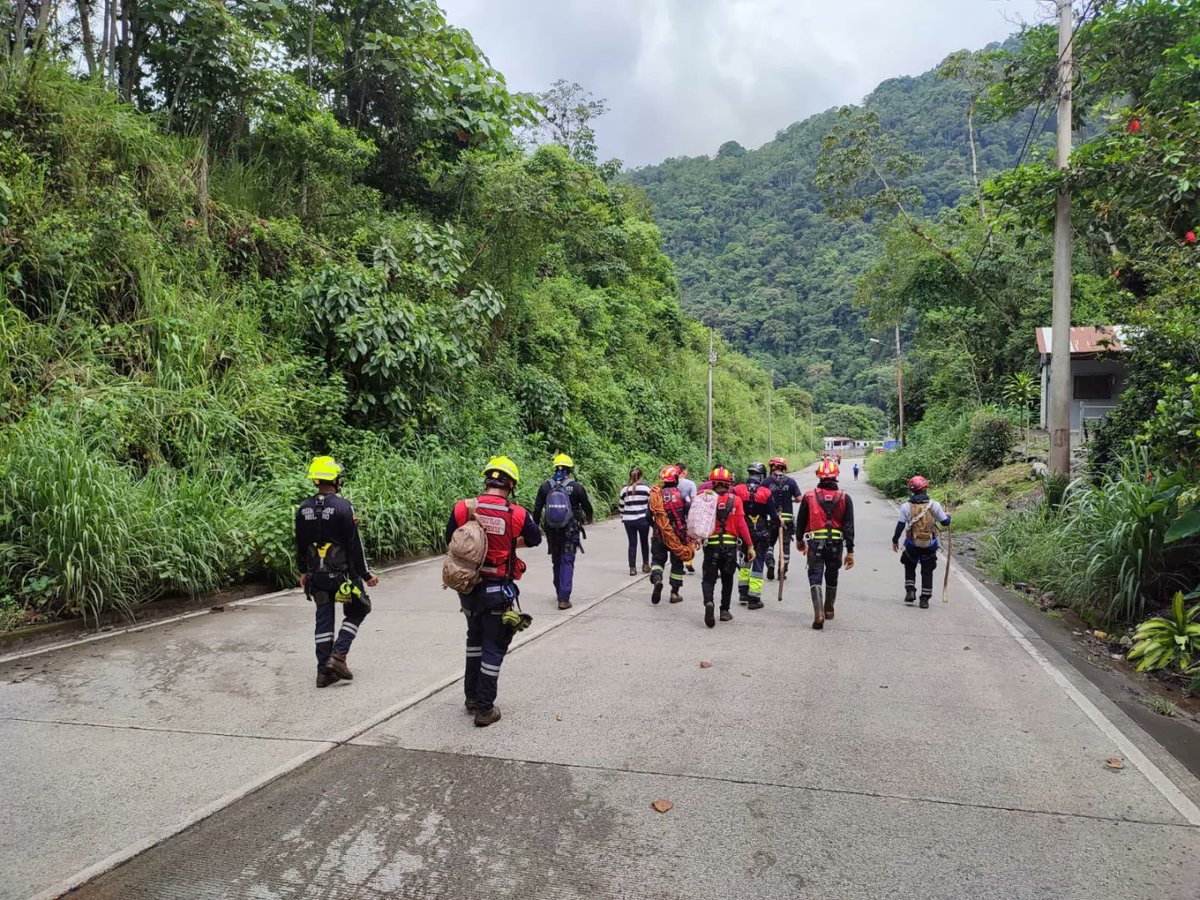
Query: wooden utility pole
<point x="900" y="384"/>
<point x="770" y="399"/>
<point x="712" y="360"/>
<point x="1060" y="336"/>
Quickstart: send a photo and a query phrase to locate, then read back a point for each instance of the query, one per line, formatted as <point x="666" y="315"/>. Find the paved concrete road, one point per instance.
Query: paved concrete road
<point x="901" y="752"/>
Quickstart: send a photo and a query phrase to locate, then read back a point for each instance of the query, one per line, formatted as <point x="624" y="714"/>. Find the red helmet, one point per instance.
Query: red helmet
<point x="778" y="463"/>
<point x="669" y="474"/>
<point x="828" y="470"/>
<point x="918" y="483"/>
<point x="721" y="475"/>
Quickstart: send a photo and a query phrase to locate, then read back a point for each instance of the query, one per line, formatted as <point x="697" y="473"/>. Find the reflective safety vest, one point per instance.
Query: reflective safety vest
<point x="502" y="522"/>
<point x="825" y="511"/>
<point x="722" y="534"/>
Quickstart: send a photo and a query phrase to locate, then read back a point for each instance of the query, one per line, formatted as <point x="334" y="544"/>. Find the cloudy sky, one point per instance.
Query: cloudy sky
<point x="683" y="76"/>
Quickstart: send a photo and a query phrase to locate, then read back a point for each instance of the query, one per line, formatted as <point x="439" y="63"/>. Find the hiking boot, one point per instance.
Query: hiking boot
<point x="645" y="568"/>
<point x="656" y="594"/>
<point x="632" y="570"/>
<point x="910" y="594"/>
<point x="726" y="616"/>
<point x="708" y="615"/>
<point x="337" y="665"/>
<point x="675" y="597"/>
<point x="924" y="604"/>
<point x="770" y="573"/>
<point x="564" y="604"/>
<point x="830" y="597"/>
<point x="325" y="678"/>
<point x="754" y="604"/>
<point x="484" y="718"/>
<point x="818" y="605"/>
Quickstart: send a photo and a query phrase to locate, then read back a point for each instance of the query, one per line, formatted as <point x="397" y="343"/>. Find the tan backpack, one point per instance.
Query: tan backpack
<point x="465" y="555"/>
<point x="921" y="527"/>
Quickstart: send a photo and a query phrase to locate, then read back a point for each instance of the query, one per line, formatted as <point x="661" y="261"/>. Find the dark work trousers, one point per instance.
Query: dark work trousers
<point x="353" y="614"/>
<point x="658" y="559"/>
<point x="562" y="545"/>
<point x="789" y="533"/>
<point x="926" y="558"/>
<point x="824" y="561"/>
<point x="750" y="574"/>
<point x="720" y="561"/>
<point x="638" y="532"/>
<point x="487" y="641"/>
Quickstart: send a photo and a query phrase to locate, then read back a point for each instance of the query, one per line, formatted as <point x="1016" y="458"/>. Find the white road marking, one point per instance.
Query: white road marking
<point x="1172" y="794"/>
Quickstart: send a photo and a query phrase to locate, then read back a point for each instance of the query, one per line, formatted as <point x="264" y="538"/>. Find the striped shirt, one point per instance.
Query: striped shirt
<point x="635" y="502"/>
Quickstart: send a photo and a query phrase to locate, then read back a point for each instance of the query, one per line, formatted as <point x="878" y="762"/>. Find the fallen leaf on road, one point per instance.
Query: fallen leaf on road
<point x="884" y="686"/>
<point x="1100" y="635"/>
<point x="967" y="647"/>
<point x="1115" y="763"/>
<point x="746" y="675"/>
<point x="558" y="718"/>
<point x="663" y="806"/>
<point x="705" y="664"/>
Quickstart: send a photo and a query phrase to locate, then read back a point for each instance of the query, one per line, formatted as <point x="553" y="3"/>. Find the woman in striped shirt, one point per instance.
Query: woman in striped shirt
<point x="635" y="514"/>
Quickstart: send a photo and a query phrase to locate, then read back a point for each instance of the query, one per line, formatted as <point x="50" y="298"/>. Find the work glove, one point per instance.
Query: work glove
<point x="849" y="561"/>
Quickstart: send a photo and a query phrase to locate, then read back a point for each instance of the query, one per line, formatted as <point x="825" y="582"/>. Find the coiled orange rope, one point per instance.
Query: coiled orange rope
<point x="658" y="513"/>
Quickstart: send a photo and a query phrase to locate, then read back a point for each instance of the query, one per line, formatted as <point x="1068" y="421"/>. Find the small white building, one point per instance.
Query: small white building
<point x="1098" y="369"/>
<point x="838" y="444"/>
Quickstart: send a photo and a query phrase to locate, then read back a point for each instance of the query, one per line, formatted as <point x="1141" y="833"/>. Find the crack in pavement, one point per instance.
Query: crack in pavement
<point x="161" y="729"/>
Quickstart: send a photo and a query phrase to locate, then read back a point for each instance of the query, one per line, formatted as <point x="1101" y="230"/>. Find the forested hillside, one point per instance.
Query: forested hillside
<point x="236" y="235"/>
<point x="759" y="259"/>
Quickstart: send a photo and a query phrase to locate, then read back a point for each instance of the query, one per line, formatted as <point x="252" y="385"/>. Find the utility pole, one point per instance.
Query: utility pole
<point x="712" y="361"/>
<point x="795" y="446"/>
<point x="1060" y="334"/>
<point x="900" y="384"/>
<point x="770" y="398"/>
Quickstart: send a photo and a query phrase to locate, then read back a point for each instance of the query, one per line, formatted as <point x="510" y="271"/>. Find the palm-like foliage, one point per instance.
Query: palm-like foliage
<point x="1164" y="641"/>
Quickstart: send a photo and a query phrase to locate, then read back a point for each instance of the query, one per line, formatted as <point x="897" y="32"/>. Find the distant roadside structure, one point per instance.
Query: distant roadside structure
<point x="1098" y="372"/>
<point x="849" y="445"/>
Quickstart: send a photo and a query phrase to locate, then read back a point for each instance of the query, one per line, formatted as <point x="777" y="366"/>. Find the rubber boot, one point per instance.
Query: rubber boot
<point x="707" y="591"/>
<point x="337" y="665"/>
<point x="818" y="603"/>
<point x="830" y="598"/>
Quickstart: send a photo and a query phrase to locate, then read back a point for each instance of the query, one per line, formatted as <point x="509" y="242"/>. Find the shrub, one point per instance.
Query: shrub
<point x="1167" y="641"/>
<point x="991" y="437"/>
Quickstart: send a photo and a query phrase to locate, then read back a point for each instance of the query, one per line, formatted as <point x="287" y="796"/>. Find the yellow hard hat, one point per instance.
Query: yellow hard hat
<point x="502" y="465"/>
<point x="564" y="461"/>
<point x="324" y="468"/>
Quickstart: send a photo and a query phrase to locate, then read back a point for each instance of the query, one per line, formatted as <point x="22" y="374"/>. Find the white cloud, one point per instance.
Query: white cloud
<point x="683" y="76"/>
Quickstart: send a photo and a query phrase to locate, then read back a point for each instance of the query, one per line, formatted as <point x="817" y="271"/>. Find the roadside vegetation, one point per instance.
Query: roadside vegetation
<point x="228" y="245"/>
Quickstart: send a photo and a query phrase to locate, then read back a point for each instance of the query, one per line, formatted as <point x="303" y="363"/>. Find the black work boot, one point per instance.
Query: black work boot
<point x="708" y="614"/>
<point x="337" y="665"/>
<point x="910" y="593"/>
<point x="755" y="603"/>
<point x="326" y="677"/>
<point x="726" y="616"/>
<point x="770" y="573"/>
<point x="484" y="718"/>
<point x="924" y="604"/>
<point x="818" y="603"/>
<point x="830" y="598"/>
<point x="656" y="595"/>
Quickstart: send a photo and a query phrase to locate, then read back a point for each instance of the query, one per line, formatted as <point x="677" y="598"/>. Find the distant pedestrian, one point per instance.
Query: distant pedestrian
<point x="563" y="508"/>
<point x="824" y="528"/>
<point x="333" y="568"/>
<point x="918" y="522"/>
<point x="491" y="619"/>
<point x="856" y="471"/>
<point x="687" y="488"/>
<point x="635" y="516"/>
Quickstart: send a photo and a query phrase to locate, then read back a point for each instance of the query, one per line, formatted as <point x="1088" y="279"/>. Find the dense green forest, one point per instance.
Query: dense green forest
<point x="759" y="259"/>
<point x="234" y="235"/>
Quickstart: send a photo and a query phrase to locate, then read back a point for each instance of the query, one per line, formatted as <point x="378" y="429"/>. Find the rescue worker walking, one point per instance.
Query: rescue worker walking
<point x="721" y="549"/>
<point x="675" y="509"/>
<point x="491" y="619"/>
<point x="762" y="520"/>
<point x="824" y="527"/>
<point x="333" y="568"/>
<point x="918" y="521"/>
<point x="785" y="491"/>
<point x="563" y="508"/>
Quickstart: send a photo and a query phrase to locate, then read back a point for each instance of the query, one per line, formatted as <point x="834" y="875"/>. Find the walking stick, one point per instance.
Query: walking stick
<point x="782" y="570"/>
<point x="949" y="556"/>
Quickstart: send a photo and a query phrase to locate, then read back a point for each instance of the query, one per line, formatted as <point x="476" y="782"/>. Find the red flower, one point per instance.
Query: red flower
<point x="1134" y="126"/>
<point x="1190" y="237"/>
<point x="1116" y="273"/>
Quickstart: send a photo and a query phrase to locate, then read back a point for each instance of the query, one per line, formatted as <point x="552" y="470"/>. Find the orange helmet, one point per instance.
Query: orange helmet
<point x="721" y="475"/>
<point x="827" y="470"/>
<point x="669" y="474"/>
<point x="778" y="463"/>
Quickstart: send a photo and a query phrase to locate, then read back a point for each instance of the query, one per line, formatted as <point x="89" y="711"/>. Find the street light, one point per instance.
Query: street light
<point x="899" y="380"/>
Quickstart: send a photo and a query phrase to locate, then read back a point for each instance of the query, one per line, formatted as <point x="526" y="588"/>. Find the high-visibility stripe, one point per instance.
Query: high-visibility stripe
<point x="350" y="627"/>
<point x="487" y="669"/>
